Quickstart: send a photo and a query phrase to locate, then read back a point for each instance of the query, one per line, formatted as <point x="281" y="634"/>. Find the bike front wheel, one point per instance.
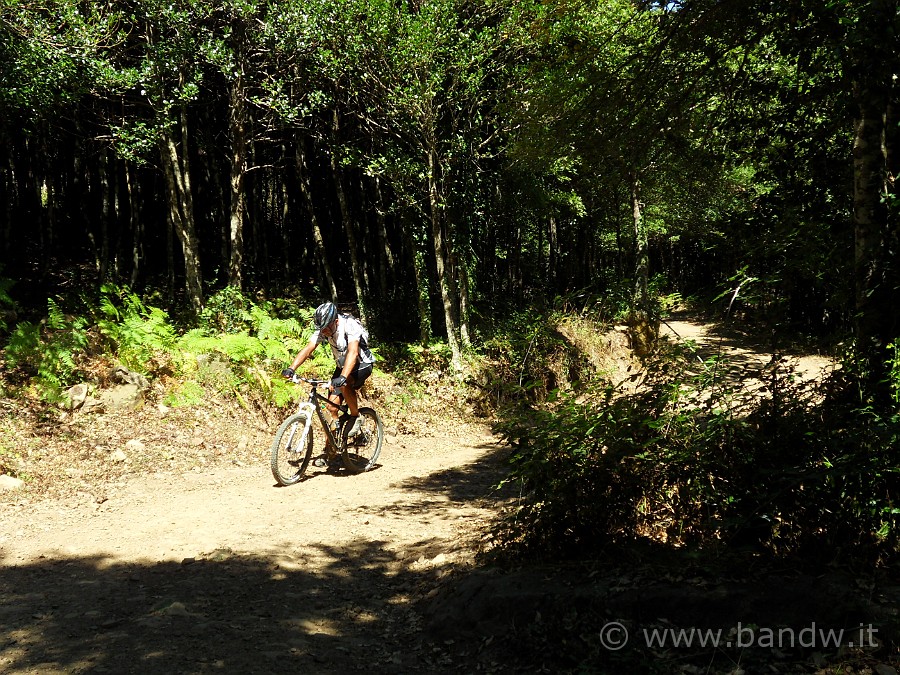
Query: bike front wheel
<point x="291" y="449"/>
<point x="360" y="451"/>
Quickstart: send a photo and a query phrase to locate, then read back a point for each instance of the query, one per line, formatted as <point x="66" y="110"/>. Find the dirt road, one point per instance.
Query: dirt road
<point x="221" y="571"/>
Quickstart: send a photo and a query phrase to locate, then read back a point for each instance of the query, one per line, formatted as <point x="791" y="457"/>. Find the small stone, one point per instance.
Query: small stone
<point x="175" y="609"/>
<point x="75" y="397"/>
<point x="134" y="445"/>
<point x="8" y="483"/>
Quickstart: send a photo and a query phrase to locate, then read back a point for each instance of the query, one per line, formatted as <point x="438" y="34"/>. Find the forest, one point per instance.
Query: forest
<point x="457" y="173"/>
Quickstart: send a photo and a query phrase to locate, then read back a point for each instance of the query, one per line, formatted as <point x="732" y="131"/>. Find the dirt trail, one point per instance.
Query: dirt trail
<point x="747" y="361"/>
<point x="222" y="571"/>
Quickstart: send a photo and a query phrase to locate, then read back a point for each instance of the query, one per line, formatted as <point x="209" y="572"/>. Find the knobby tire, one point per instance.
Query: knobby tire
<point x="360" y="452"/>
<point x="290" y="451"/>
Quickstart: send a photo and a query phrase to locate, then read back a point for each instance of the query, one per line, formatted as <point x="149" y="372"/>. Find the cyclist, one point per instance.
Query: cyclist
<point x="349" y="342"/>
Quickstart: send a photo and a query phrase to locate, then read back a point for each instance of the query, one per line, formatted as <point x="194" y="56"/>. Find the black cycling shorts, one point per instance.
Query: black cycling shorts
<point x="360" y="374"/>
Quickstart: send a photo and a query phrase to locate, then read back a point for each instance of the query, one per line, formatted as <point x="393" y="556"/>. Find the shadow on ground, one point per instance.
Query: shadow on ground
<point x="310" y="609"/>
<point x="221" y="613"/>
<point x="648" y="609"/>
<point x="363" y="607"/>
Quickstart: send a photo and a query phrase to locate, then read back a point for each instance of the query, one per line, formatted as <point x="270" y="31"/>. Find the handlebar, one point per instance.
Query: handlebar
<point x="296" y="379"/>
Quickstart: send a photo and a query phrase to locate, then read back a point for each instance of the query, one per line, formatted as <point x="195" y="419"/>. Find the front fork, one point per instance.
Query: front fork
<point x="306" y="408"/>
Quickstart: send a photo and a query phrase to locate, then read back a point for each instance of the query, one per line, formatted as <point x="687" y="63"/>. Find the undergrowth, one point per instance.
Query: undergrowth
<point x="684" y="458"/>
<point x="234" y="349"/>
<point x="799" y="470"/>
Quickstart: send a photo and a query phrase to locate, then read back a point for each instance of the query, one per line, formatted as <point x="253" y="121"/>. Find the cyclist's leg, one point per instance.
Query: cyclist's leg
<point x="335" y="396"/>
<point x="350" y="398"/>
<point x="359" y="375"/>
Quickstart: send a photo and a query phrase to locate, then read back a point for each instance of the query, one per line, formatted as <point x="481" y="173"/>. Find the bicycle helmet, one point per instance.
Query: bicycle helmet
<point x="325" y="314"/>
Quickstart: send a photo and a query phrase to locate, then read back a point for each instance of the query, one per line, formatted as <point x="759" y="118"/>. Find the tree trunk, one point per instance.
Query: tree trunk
<point x="170" y="259"/>
<point x="7" y="198"/>
<point x="463" y="282"/>
<point x="105" y="217"/>
<point x="349" y="226"/>
<point x="553" y="256"/>
<point x="873" y="317"/>
<point x="318" y="240"/>
<point x="384" y="248"/>
<point x="876" y="234"/>
<point x="643" y="328"/>
<point x="641" y="298"/>
<point x="181" y="211"/>
<point x="442" y="259"/>
<point x="420" y="274"/>
<point x="136" y="222"/>
<point x="237" y="122"/>
<point x="236" y="230"/>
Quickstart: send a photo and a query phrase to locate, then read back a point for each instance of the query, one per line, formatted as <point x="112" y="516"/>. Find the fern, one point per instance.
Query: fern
<point x="196" y="341"/>
<point x="50" y="352"/>
<point x="256" y="344"/>
<point x="241" y="348"/>
<point x="138" y="333"/>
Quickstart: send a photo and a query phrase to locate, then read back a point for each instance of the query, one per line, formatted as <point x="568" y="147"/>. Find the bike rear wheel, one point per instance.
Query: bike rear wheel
<point x="360" y="452"/>
<point x="291" y="450"/>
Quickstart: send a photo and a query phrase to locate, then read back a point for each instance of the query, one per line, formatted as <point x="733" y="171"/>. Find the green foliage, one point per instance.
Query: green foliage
<point x="54" y="351"/>
<point x="528" y="353"/>
<point x="414" y="358"/>
<point x="135" y="141"/>
<point x="235" y="351"/>
<point x="894" y="370"/>
<point x="6" y="301"/>
<point x="141" y="336"/>
<point x="225" y="312"/>
<point x="188" y="393"/>
<point x="243" y="332"/>
<point x="791" y="473"/>
<point x="49" y="351"/>
<point x="240" y="345"/>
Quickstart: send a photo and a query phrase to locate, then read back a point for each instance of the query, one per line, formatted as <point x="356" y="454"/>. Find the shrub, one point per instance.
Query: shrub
<point x="793" y="472"/>
<point x="48" y="352"/>
<point x="141" y="337"/>
<point x="226" y="311"/>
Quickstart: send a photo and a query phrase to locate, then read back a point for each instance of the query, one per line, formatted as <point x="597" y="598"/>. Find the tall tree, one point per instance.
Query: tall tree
<point x="432" y="91"/>
<point x="873" y="69"/>
<point x="171" y="81"/>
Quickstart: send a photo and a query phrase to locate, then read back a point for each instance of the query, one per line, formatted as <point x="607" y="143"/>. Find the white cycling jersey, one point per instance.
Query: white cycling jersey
<point x="348" y="330"/>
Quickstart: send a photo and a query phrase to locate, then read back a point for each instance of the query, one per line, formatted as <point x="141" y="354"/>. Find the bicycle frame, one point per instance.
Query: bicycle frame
<point x="292" y="447"/>
<point x="311" y="404"/>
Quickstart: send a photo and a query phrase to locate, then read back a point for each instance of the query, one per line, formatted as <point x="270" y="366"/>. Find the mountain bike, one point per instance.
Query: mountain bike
<point x="292" y="448"/>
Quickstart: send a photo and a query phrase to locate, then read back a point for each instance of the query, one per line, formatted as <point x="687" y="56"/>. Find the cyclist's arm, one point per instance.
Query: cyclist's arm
<point x="304" y="353"/>
<point x="351" y="358"/>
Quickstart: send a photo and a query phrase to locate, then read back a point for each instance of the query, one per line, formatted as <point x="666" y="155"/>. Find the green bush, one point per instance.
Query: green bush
<point x="252" y="345"/>
<point x="49" y="352"/>
<point x="54" y="352"/>
<point x="6" y="300"/>
<point x="188" y="393"/>
<point x="140" y="336"/>
<point x="226" y="311"/>
<point x="795" y="472"/>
